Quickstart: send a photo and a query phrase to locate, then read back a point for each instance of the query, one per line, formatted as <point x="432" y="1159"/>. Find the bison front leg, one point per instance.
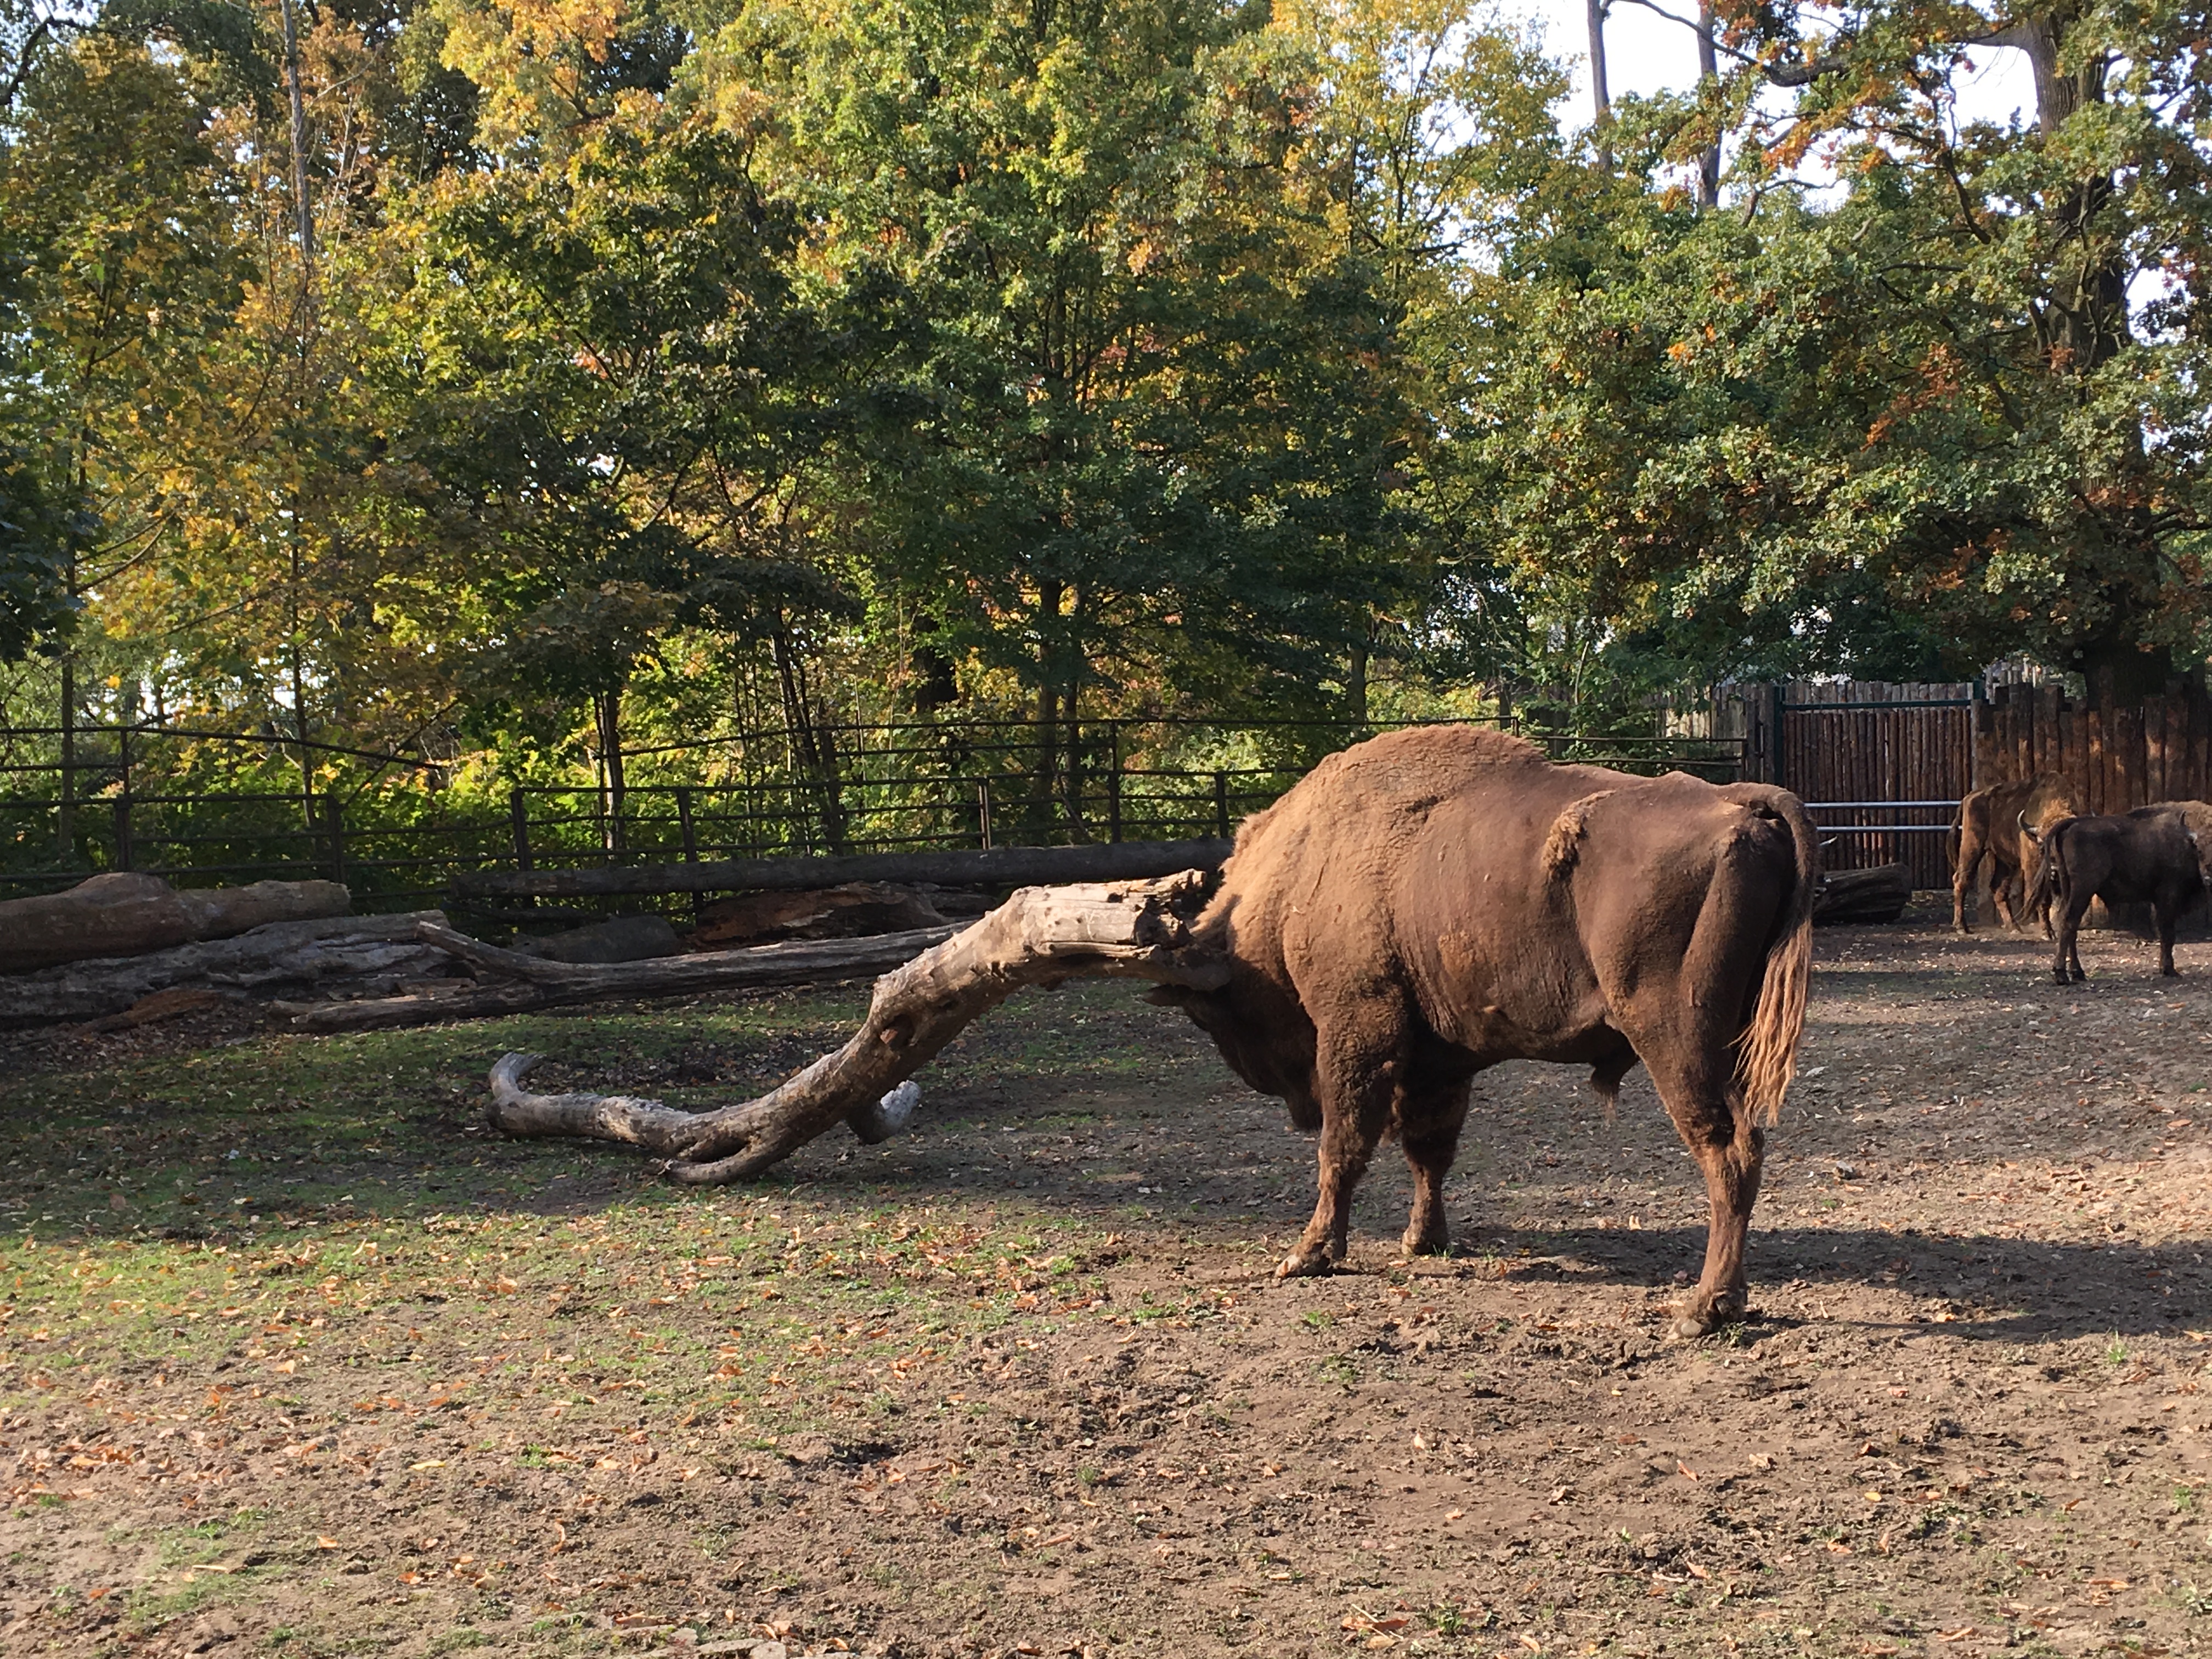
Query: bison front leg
<point x="1359" y="1080"/>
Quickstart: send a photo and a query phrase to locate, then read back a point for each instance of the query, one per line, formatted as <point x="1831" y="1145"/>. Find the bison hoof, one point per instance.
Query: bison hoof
<point x="1697" y="1315"/>
<point x="1434" y="1242"/>
<point x="1304" y="1264"/>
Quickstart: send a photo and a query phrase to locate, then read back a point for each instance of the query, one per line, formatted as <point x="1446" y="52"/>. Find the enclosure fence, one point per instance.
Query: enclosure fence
<point x="399" y="839"/>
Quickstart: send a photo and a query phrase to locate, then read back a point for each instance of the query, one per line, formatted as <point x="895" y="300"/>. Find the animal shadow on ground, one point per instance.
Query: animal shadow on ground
<point x="1997" y="1289"/>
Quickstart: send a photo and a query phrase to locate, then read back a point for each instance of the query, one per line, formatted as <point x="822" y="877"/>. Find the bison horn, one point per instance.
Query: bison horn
<point x="2028" y="829"/>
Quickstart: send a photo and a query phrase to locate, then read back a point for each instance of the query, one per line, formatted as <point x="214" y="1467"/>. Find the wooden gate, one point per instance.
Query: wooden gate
<point x="1881" y="767"/>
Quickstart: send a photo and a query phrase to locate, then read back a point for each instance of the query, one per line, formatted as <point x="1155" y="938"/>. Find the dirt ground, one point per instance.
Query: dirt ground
<point x="296" y="1359"/>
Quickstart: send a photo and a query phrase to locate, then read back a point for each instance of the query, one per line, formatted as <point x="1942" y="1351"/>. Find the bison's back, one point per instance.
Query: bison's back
<point x="1336" y="852"/>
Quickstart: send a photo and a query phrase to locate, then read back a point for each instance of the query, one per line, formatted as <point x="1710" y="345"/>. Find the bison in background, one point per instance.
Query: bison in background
<point x="1989" y="825"/>
<point x="1432" y="902"/>
<point x="2160" y="855"/>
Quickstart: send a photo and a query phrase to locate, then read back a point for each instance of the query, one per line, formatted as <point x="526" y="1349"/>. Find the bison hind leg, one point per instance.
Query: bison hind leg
<point x="1431" y="1114"/>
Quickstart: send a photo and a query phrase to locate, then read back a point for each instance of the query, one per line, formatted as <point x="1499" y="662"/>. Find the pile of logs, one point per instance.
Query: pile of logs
<point x="122" y="949"/>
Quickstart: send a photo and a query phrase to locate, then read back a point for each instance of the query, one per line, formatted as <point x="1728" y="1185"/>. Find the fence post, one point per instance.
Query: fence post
<point x="983" y="811"/>
<point x="522" y="817"/>
<point x="334" y="819"/>
<point x="1221" y="803"/>
<point x="123" y="855"/>
<point x="1113" y="781"/>
<point x="1777" y="771"/>
<point x="684" y="816"/>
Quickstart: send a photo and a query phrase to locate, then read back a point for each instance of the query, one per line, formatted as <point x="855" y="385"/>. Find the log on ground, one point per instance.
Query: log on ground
<point x="1002" y="867"/>
<point x="124" y="913"/>
<point x="1863" y="895"/>
<point x="1041" y="935"/>
<point x="286" y="957"/>
<point x="534" y="983"/>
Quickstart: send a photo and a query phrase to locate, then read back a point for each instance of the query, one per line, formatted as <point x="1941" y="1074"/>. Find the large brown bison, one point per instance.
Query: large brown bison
<point x="2160" y="855"/>
<point x="1988" y="826"/>
<point x="1434" y="902"/>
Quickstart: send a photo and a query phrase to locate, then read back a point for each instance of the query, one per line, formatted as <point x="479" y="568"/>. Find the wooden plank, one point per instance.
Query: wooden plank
<point x="2072" y="760"/>
<point x="2093" y="724"/>
<point x="2127" y="746"/>
<point x="2199" y="746"/>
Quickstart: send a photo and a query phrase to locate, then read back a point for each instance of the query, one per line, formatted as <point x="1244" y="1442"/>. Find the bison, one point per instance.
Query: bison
<point x="1432" y="902"/>
<point x="2160" y="855"/>
<point x="1989" y="825"/>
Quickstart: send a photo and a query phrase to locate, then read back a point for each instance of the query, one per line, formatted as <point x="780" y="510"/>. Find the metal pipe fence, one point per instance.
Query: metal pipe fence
<point x="916" y="786"/>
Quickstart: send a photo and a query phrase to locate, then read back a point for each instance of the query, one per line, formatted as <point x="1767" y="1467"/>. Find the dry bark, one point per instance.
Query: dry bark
<point x="122" y="914"/>
<point x="358" y="952"/>
<point x="535" y="982"/>
<point x="1002" y="866"/>
<point x="1041" y="935"/>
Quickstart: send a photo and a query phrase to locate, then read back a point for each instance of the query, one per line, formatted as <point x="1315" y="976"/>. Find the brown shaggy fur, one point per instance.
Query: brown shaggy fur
<point x="1988" y="826"/>
<point x="1433" y="902"/>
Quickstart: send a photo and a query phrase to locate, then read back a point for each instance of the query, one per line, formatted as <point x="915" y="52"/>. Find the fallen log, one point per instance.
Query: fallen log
<point x="1000" y="866"/>
<point x="359" y="952"/>
<point x="535" y="982"/>
<point x="852" y="911"/>
<point x="1041" y="935"/>
<point x="123" y="913"/>
<point x="1863" y="895"/>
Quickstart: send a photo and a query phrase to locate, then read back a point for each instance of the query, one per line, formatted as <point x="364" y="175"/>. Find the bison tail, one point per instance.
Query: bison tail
<point x="1766" y="1053"/>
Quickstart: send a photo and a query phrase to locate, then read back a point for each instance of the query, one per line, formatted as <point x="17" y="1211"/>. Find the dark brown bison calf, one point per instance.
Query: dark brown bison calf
<point x="2152" y="855"/>
<point x="1433" y="902"/>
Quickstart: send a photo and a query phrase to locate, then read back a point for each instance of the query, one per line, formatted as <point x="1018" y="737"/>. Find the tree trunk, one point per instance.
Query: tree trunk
<point x="606" y="721"/>
<point x="122" y="914"/>
<point x="1041" y="935"/>
<point x="1708" y="74"/>
<point x="1600" y="95"/>
<point x="65" y="818"/>
<point x="1002" y="866"/>
<point x="814" y="742"/>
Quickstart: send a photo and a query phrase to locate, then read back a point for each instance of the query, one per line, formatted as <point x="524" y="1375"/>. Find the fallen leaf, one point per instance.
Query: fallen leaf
<point x="1685" y="1470"/>
<point x="324" y="1543"/>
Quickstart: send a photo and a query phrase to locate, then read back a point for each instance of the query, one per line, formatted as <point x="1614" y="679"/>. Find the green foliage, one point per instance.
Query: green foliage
<point x="660" y="369"/>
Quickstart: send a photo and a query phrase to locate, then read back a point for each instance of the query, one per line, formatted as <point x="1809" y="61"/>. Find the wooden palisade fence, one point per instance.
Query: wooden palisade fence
<point x="2116" y="756"/>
